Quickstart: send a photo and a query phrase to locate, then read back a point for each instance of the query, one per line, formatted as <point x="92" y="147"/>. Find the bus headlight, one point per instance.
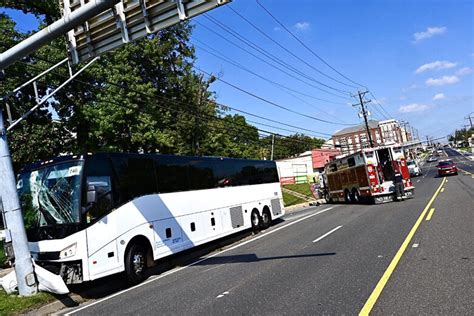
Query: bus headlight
<point x="68" y="251"/>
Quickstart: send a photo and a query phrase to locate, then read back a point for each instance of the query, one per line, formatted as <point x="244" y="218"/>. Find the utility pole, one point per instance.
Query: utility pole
<point x="365" y="113"/>
<point x="273" y="145"/>
<point x="469" y="118"/>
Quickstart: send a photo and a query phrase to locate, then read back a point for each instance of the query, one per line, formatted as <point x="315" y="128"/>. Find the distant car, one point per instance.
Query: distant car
<point x="439" y="151"/>
<point x="446" y="167"/>
<point x="413" y="168"/>
<point x="431" y="159"/>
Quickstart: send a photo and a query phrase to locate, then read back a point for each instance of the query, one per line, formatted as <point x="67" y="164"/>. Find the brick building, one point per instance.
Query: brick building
<point x="354" y="138"/>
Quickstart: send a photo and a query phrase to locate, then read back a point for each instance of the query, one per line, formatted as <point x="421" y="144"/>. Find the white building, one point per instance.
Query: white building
<point x="391" y="131"/>
<point x="296" y="168"/>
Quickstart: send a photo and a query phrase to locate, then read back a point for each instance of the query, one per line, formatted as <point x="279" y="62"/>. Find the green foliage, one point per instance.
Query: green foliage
<point x="461" y="135"/>
<point x="302" y="188"/>
<point x="293" y="145"/>
<point x="14" y="305"/>
<point x="143" y="97"/>
<point x="289" y="199"/>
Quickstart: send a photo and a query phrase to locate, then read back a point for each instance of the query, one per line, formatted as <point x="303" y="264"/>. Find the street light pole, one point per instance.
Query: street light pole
<point x="14" y="219"/>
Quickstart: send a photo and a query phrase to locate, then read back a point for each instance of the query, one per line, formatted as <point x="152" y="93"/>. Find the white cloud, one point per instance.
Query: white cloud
<point x="445" y="80"/>
<point x="464" y="71"/>
<point x="439" y="96"/>
<point x="414" y="107"/>
<point x="302" y="26"/>
<point x="430" y="32"/>
<point x="436" y="65"/>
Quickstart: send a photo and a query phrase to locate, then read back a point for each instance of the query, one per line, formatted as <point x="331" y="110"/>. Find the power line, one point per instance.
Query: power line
<point x="271" y="102"/>
<point x="274" y="58"/>
<point x="288" y="51"/>
<point x="281" y="86"/>
<point x="305" y="46"/>
<point x="270" y="64"/>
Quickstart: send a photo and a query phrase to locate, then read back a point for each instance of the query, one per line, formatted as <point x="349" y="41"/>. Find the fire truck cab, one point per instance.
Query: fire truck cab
<point x="368" y="175"/>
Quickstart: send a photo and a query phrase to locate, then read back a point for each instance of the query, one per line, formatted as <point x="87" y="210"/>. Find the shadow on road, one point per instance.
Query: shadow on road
<point x="251" y="257"/>
<point x="112" y="284"/>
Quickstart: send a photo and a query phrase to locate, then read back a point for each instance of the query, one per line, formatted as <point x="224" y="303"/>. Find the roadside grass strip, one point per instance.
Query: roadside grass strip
<point x="15" y="305"/>
<point x="369" y="304"/>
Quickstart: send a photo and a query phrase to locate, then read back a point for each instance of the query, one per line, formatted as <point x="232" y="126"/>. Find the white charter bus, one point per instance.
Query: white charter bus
<point x="95" y="215"/>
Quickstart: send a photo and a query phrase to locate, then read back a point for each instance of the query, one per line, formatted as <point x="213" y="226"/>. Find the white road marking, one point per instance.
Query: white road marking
<point x="417" y="180"/>
<point x="327" y="234"/>
<point x="223" y="294"/>
<point x="196" y="262"/>
<point x="415" y="245"/>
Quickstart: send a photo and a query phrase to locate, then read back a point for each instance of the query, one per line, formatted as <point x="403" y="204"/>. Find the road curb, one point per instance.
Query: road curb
<point x="62" y="302"/>
<point x="297" y="207"/>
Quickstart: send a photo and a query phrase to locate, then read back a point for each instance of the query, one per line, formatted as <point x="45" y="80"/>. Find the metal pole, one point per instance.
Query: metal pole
<point x="50" y="95"/>
<point x="273" y="144"/>
<point x="14" y="219"/>
<point x="53" y="31"/>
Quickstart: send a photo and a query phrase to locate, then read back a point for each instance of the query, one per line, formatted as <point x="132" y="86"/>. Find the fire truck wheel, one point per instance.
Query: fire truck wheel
<point x="347" y="196"/>
<point x="355" y="196"/>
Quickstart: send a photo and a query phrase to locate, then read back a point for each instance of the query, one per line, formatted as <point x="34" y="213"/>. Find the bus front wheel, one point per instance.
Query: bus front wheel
<point x="135" y="264"/>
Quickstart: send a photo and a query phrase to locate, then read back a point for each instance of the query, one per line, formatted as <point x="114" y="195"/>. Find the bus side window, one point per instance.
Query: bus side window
<point x="135" y="177"/>
<point x="171" y="174"/>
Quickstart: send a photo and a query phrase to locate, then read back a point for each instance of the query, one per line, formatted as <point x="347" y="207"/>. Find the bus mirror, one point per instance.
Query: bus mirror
<point x="91" y="194"/>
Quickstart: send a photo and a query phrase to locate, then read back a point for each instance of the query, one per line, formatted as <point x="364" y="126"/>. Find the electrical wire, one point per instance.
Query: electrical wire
<point x="270" y="102"/>
<point x="258" y="48"/>
<point x="306" y="46"/>
<point x="288" y="51"/>
<point x="281" y="86"/>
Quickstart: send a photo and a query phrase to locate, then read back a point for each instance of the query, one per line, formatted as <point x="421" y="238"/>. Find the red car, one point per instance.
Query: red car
<point x="446" y="167"/>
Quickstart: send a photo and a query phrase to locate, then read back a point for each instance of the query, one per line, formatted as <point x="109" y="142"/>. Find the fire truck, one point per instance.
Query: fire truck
<point x="367" y="175"/>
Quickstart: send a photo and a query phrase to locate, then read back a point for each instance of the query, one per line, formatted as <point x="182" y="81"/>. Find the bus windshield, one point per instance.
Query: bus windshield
<point x="50" y="195"/>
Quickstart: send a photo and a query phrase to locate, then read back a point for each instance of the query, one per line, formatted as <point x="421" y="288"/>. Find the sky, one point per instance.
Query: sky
<point x="415" y="57"/>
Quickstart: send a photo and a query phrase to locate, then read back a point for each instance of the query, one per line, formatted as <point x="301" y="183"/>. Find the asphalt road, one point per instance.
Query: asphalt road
<point x="328" y="260"/>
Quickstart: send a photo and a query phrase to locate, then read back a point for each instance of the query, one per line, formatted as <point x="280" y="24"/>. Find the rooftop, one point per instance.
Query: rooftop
<point x="358" y="128"/>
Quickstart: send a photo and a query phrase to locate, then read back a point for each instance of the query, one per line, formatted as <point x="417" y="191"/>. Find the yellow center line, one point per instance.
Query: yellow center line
<point x="430" y="214"/>
<point x="442" y="190"/>
<point x="393" y="264"/>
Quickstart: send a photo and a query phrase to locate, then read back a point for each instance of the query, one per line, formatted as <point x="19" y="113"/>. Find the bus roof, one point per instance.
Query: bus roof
<point x="65" y="158"/>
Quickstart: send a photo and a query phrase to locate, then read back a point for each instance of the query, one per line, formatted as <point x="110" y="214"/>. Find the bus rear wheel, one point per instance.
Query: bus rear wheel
<point x="135" y="264"/>
<point x="256" y="221"/>
<point x="266" y="219"/>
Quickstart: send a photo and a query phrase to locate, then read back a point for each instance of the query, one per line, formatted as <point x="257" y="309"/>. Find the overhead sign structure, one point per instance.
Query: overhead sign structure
<point x="127" y="21"/>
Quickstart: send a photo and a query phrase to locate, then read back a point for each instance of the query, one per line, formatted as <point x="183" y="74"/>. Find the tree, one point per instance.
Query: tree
<point x="37" y="138"/>
<point x="285" y="147"/>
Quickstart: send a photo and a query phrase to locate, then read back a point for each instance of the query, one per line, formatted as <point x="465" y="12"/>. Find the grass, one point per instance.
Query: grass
<point x="14" y="304"/>
<point x="302" y="188"/>
<point x="289" y="199"/>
